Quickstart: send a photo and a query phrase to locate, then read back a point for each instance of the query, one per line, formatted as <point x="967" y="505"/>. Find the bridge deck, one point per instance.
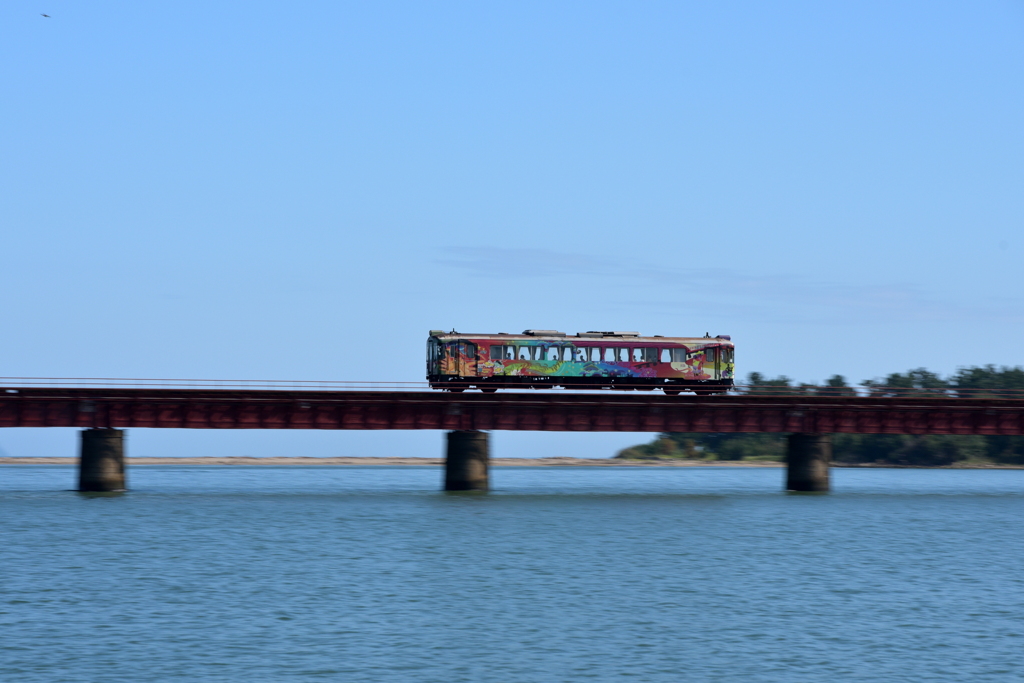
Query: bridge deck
<point x="206" y="408"/>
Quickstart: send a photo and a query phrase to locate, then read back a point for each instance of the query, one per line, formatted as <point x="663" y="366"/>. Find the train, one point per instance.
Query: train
<point x="545" y="359"/>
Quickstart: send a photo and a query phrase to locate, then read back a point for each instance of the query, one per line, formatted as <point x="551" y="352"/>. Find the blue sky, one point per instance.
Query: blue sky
<point x="301" y="191"/>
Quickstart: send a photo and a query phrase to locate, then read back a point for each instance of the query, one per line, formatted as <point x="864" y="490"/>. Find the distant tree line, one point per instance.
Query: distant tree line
<point x="895" y="449"/>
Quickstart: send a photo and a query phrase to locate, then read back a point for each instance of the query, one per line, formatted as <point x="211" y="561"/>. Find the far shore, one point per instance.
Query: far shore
<point x="496" y="462"/>
<point x="349" y="461"/>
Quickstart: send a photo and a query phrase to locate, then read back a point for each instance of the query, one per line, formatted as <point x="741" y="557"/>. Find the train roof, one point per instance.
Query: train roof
<point x="592" y="336"/>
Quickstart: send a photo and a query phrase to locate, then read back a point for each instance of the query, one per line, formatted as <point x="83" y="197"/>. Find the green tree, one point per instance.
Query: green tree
<point x="914" y="450"/>
<point x="759" y="384"/>
<point x="717" y="446"/>
<point x="989" y="382"/>
<point x="926" y="450"/>
<point x="918" y="382"/>
<point x="836" y="386"/>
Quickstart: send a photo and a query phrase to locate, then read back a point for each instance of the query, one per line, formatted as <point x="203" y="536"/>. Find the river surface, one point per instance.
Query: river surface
<point x="206" y="573"/>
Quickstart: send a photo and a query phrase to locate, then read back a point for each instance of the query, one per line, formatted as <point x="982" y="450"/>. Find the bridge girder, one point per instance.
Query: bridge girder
<point x="525" y="411"/>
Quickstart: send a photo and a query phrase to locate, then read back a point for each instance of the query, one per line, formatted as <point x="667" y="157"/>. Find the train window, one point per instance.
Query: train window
<point x="727" y="354"/>
<point x="623" y="354"/>
<point x="524" y="353"/>
<point x="567" y="353"/>
<point x="595" y="354"/>
<point x="710" y="355"/>
<point x="609" y="355"/>
<point x="497" y="352"/>
<point x="580" y="355"/>
<point x="645" y="355"/>
<point x="678" y="355"/>
<point x="551" y="353"/>
<point x="666" y="356"/>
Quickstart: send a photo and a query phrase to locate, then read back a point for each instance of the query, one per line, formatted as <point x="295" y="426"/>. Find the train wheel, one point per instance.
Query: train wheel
<point x="671" y="392"/>
<point x="488" y="390"/>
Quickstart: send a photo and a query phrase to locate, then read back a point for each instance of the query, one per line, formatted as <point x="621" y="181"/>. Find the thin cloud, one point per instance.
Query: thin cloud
<point x="521" y="263"/>
<point x="729" y="292"/>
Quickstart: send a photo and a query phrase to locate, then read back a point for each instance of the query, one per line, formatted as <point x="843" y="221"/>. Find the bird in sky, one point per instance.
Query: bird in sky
<point x="46" y="15"/>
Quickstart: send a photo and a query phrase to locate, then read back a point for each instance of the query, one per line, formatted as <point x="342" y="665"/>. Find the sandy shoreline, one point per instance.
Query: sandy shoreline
<point x="496" y="462"/>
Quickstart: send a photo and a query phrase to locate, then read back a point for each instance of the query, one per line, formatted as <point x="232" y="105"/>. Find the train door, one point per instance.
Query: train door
<point x="468" y="358"/>
<point x="433" y="358"/>
<point x="711" y="358"/>
<point x="463" y="355"/>
<point x="728" y="360"/>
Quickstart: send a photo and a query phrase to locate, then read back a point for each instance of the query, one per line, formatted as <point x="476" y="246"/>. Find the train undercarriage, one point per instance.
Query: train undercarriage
<point x="671" y="387"/>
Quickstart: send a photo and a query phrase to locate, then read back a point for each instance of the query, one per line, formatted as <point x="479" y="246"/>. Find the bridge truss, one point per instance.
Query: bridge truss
<point x="303" y="408"/>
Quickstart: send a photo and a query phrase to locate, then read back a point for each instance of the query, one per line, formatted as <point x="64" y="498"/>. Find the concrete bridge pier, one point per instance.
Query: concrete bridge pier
<point x="101" y="460"/>
<point x="808" y="462"/>
<point x="468" y="461"/>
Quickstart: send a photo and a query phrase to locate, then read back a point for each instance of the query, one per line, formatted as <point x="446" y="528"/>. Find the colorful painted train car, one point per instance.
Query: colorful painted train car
<point x="544" y="359"/>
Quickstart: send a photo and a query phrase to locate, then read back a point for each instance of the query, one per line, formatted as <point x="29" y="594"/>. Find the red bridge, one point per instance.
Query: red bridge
<point x="235" y="408"/>
<point x="204" y="404"/>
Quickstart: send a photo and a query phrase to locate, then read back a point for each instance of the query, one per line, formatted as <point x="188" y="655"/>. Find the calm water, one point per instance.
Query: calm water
<point x="371" y="574"/>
